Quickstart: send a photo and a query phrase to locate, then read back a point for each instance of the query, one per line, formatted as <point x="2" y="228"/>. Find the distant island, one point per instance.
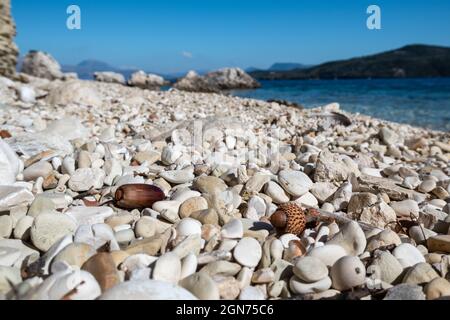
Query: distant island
<point x="407" y="62"/>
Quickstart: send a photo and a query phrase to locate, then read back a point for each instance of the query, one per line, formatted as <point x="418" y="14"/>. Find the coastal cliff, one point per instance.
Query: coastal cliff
<point x="8" y="49"/>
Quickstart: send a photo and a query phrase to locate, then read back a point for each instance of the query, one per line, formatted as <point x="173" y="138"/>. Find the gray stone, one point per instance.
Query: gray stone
<point x="405" y="291"/>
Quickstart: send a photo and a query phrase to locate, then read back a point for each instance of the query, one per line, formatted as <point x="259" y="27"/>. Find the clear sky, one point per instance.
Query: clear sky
<point x="176" y="35"/>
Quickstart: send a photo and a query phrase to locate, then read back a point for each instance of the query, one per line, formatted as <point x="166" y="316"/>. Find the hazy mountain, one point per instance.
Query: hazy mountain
<point x="286" y="66"/>
<point x="407" y="62"/>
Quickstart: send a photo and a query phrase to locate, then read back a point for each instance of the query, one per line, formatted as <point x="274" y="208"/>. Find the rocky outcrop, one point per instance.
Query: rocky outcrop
<point x="42" y="65"/>
<point x="143" y="80"/>
<point x="223" y="79"/>
<point x="195" y="83"/>
<point x="232" y="78"/>
<point x="109" y="77"/>
<point x="8" y="49"/>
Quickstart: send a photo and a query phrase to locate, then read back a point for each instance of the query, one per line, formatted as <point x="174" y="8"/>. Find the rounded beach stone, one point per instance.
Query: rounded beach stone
<point x="296" y="183"/>
<point x="48" y="228"/>
<point x="310" y="269"/>
<point x="75" y="254"/>
<point x="420" y="273"/>
<point x="437" y="288"/>
<point x="209" y="184"/>
<point x="251" y="293"/>
<point x="276" y="192"/>
<point x="351" y="237"/>
<point x="145" y="227"/>
<point x="348" y="272"/>
<point x="23" y="226"/>
<point x="167" y="268"/>
<point x="328" y="253"/>
<point x="408" y="255"/>
<point x="6" y="226"/>
<point x="248" y="252"/>
<point x="188" y="226"/>
<point x="201" y="285"/>
<point x="36" y="170"/>
<point x="388" y="267"/>
<point x="147" y="290"/>
<point x="233" y="229"/>
<point x="192" y="205"/>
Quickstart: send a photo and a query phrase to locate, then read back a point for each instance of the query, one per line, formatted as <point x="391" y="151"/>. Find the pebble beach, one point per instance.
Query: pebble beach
<point x="361" y="204"/>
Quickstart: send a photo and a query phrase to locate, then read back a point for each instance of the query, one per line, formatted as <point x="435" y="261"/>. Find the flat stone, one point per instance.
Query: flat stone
<point x="191" y="244"/>
<point x="223" y="268"/>
<point x="209" y="184"/>
<point x="256" y="183"/>
<point x="251" y="293"/>
<point x="147" y="156"/>
<point x="296" y="183"/>
<point x="233" y="229"/>
<point x="13" y="246"/>
<point x="178" y="176"/>
<point x="248" y="252"/>
<point x="261" y="276"/>
<point x="147" y="290"/>
<point x="406" y="208"/>
<point x="148" y="246"/>
<point x="36" y="170"/>
<point x="48" y="228"/>
<point x="11" y="196"/>
<point x="366" y="183"/>
<point x="42" y="204"/>
<point x="86" y="178"/>
<point x="334" y="167"/>
<point x="323" y="191"/>
<point x="89" y="215"/>
<point x="276" y="192"/>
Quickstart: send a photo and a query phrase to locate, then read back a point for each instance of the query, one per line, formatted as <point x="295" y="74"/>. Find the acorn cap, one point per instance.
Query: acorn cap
<point x="289" y="218"/>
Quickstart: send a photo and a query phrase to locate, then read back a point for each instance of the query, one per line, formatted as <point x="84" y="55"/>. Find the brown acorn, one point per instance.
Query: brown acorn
<point x="137" y="196"/>
<point x="289" y="218"/>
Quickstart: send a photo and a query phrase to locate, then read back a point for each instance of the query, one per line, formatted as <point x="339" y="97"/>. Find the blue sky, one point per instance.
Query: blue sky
<point x="176" y="35"/>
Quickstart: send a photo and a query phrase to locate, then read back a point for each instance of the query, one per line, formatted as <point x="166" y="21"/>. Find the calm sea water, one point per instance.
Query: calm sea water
<point x="419" y="102"/>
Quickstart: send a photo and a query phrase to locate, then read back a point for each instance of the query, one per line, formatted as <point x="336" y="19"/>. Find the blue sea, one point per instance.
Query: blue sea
<point x="419" y="102"/>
